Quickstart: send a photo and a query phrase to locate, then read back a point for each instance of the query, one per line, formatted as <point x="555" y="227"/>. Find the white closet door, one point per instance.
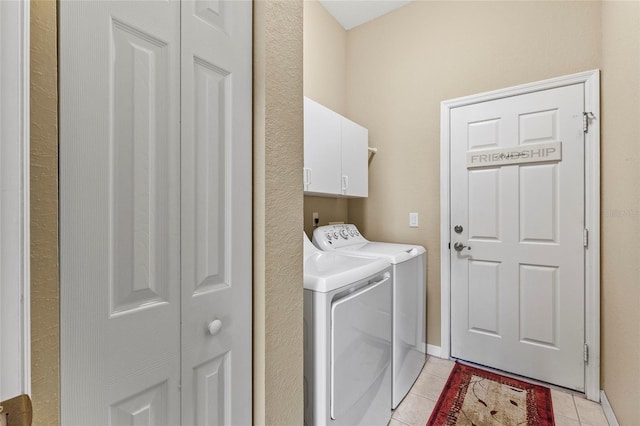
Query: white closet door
<point x="216" y="212"/>
<point x="119" y="212"/>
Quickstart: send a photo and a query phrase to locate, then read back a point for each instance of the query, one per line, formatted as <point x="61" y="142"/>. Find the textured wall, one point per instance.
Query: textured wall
<point x="45" y="350"/>
<point x="278" y="205"/>
<point x="621" y="208"/>
<point x="325" y="79"/>
<point x="404" y="64"/>
<point x="325" y="58"/>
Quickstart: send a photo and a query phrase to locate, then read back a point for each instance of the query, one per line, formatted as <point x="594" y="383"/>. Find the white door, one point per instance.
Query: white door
<point x="517" y="194"/>
<point x="216" y="212"/>
<point x="125" y="261"/>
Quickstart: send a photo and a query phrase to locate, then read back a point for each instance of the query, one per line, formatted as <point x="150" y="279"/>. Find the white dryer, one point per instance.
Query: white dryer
<point x="347" y="339"/>
<point x="408" y="297"/>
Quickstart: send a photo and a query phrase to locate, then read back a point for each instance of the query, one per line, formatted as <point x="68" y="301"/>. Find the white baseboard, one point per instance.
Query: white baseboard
<point x="608" y="411"/>
<point x="433" y="350"/>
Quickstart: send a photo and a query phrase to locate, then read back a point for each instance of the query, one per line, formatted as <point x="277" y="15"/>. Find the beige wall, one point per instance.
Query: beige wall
<point x="277" y="318"/>
<point x="325" y="79"/>
<point x="325" y="58"/>
<point x="621" y="208"/>
<point x="45" y="350"/>
<point x="404" y="64"/>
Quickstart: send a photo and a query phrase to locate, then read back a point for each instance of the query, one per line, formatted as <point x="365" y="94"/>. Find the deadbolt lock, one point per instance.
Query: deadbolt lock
<point x="458" y="229"/>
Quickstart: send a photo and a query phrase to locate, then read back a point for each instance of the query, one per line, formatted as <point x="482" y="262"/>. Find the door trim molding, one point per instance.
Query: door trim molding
<point x="15" y="347"/>
<point x="591" y="81"/>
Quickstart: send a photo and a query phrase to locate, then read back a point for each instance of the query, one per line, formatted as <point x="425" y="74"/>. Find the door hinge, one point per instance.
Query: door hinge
<point x="586" y="353"/>
<point x="586" y="116"/>
<point x="585" y="237"/>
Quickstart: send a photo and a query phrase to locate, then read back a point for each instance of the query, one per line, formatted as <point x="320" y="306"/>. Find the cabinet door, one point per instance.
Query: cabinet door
<point x="355" y="158"/>
<point x="321" y="149"/>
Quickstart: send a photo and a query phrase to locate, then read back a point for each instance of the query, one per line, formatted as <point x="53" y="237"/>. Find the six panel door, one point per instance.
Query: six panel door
<point x="517" y="190"/>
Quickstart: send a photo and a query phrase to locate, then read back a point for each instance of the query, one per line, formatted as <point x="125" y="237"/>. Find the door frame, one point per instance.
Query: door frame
<point x="15" y="347"/>
<point x="591" y="81"/>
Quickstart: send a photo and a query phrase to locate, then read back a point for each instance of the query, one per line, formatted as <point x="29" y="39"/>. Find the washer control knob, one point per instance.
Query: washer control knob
<point x="344" y="234"/>
<point x="335" y="235"/>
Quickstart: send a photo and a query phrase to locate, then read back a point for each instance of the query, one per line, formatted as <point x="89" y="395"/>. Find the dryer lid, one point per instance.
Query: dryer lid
<point x="326" y="271"/>
<point x="393" y="253"/>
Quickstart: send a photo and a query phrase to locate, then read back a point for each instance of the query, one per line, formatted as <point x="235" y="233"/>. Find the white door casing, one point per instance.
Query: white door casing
<point x="14" y="200"/>
<point x="216" y="212"/>
<point x="526" y="232"/>
<point x="148" y="208"/>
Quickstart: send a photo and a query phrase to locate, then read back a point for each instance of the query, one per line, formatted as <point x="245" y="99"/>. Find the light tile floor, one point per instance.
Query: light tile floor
<point x="415" y="409"/>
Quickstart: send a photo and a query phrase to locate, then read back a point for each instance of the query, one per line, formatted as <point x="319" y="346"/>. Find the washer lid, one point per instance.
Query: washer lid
<point x="327" y="271"/>
<point x="392" y="252"/>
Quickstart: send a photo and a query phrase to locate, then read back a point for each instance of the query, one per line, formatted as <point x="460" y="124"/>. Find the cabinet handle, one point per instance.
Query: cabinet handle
<point x="345" y="184"/>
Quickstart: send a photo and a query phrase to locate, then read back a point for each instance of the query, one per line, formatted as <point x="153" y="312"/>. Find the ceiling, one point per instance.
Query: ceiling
<point x="351" y="13"/>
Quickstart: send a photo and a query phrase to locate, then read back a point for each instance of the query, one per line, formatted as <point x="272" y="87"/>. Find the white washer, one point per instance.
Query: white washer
<point x="347" y="339"/>
<point x="408" y="300"/>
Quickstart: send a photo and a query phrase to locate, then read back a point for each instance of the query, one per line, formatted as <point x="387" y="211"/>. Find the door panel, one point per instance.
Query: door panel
<point x="216" y="212"/>
<point x="517" y="295"/>
<point x="539" y="215"/>
<point x="484" y="286"/>
<point x="539" y="305"/>
<point x="484" y="204"/>
<point x="119" y="212"/>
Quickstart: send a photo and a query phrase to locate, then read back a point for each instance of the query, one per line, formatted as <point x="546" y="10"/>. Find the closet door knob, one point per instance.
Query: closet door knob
<point x="214" y="327"/>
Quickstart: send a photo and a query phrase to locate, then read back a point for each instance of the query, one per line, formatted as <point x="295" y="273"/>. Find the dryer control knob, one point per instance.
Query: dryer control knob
<point x="344" y="234"/>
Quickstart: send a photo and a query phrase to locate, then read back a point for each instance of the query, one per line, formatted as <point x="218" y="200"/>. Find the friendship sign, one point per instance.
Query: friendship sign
<point x="530" y="153"/>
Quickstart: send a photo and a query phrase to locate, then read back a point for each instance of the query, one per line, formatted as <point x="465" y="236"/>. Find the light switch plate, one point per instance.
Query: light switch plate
<point x="413" y="220"/>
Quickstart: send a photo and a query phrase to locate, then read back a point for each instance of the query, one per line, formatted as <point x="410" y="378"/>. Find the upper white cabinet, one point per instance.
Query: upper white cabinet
<point x="335" y="153"/>
<point x="322" y="152"/>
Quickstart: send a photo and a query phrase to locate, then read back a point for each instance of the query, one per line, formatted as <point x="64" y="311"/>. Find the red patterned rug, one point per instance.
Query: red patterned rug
<point x="476" y="397"/>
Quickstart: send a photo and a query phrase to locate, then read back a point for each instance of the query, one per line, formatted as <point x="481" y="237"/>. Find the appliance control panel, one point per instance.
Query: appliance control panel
<point x="335" y="236"/>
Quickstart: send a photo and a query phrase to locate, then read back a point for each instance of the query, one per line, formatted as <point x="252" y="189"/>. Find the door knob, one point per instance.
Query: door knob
<point x="460" y="247"/>
<point x="214" y="327"/>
